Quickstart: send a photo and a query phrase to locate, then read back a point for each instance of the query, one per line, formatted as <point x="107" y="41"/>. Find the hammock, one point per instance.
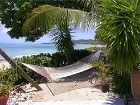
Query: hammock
<point x="54" y="73"/>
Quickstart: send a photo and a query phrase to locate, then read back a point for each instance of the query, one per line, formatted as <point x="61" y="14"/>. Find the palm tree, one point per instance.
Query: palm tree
<point x="49" y="18"/>
<point x="120" y="28"/>
<point x="63" y="42"/>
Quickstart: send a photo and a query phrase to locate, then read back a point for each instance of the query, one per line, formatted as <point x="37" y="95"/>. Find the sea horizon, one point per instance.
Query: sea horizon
<point x="15" y="50"/>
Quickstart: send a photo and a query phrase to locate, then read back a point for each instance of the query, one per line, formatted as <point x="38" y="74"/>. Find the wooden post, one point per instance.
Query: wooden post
<point x="21" y="71"/>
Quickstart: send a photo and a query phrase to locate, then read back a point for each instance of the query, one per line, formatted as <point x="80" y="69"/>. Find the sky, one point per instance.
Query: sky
<point x="78" y="34"/>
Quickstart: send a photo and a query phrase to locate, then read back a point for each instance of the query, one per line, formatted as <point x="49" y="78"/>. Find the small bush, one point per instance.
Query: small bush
<point x="79" y="54"/>
<point x="5" y="88"/>
<point x="121" y="84"/>
<point x="104" y="70"/>
<point x="95" y="48"/>
<point x="8" y="75"/>
<point x="57" y="59"/>
<point x="40" y="59"/>
<point x="7" y="80"/>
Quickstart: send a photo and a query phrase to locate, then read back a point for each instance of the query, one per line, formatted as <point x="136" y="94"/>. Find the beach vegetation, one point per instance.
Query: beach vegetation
<point x="104" y="74"/>
<point x="57" y="21"/>
<point x="121" y="84"/>
<point x="63" y="40"/>
<point x="57" y="59"/>
<point x="104" y="70"/>
<point x="120" y="29"/>
<point x="7" y="81"/>
<point x="96" y="49"/>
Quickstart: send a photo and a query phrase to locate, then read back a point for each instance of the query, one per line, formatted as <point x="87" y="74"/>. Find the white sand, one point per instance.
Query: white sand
<point x="4" y="64"/>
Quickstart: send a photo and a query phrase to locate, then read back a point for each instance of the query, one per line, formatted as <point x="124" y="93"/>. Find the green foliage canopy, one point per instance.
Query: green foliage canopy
<point x="13" y="14"/>
<point x="120" y="28"/>
<point x="44" y="18"/>
<point x="47" y="18"/>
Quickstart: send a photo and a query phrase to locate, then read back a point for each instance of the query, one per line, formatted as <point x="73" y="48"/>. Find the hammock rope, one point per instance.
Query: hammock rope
<point x="54" y="73"/>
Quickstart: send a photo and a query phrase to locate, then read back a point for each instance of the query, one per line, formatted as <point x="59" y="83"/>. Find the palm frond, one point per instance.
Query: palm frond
<point x="62" y="39"/>
<point x="95" y="8"/>
<point x="46" y="17"/>
<point x="63" y="42"/>
<point x="89" y="3"/>
<point x="120" y="28"/>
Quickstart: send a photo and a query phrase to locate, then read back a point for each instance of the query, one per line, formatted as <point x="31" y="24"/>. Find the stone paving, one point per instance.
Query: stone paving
<point x="27" y="95"/>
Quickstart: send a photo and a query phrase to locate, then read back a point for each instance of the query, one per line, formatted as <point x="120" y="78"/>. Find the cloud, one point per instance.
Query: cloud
<point x="3" y="29"/>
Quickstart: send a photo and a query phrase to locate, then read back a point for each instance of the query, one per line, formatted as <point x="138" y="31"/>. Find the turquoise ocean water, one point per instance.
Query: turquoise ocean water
<point x="17" y="50"/>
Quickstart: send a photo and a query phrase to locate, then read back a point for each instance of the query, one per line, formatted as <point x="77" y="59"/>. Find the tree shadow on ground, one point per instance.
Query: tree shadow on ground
<point x="115" y="101"/>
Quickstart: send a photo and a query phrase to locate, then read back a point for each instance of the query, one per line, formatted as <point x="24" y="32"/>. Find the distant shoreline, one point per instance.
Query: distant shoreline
<point x="74" y="43"/>
<point x="20" y="56"/>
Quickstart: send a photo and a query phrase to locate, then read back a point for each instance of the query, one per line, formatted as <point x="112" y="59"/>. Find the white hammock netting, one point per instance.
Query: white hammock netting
<point x="54" y="73"/>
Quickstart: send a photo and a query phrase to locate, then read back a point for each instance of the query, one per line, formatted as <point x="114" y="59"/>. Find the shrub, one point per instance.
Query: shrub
<point x="121" y="84"/>
<point x="95" y="48"/>
<point x="104" y="70"/>
<point x="57" y="59"/>
<point x="40" y="59"/>
<point x="5" y="88"/>
<point x="7" y="80"/>
<point x="8" y="75"/>
<point x="79" y="54"/>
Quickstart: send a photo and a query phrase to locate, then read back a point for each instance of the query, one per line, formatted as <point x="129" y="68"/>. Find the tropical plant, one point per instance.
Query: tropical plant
<point x="120" y="28"/>
<point x="47" y="18"/>
<point x="7" y="81"/>
<point x="5" y="88"/>
<point x="95" y="49"/>
<point x="121" y="84"/>
<point x="13" y="14"/>
<point x="63" y="42"/>
<point x="103" y="71"/>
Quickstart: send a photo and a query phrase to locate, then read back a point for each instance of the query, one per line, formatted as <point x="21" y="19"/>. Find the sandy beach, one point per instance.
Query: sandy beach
<point x="4" y="64"/>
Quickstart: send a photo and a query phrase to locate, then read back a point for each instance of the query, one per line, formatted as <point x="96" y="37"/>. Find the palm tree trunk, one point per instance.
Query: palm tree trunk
<point x="69" y="48"/>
